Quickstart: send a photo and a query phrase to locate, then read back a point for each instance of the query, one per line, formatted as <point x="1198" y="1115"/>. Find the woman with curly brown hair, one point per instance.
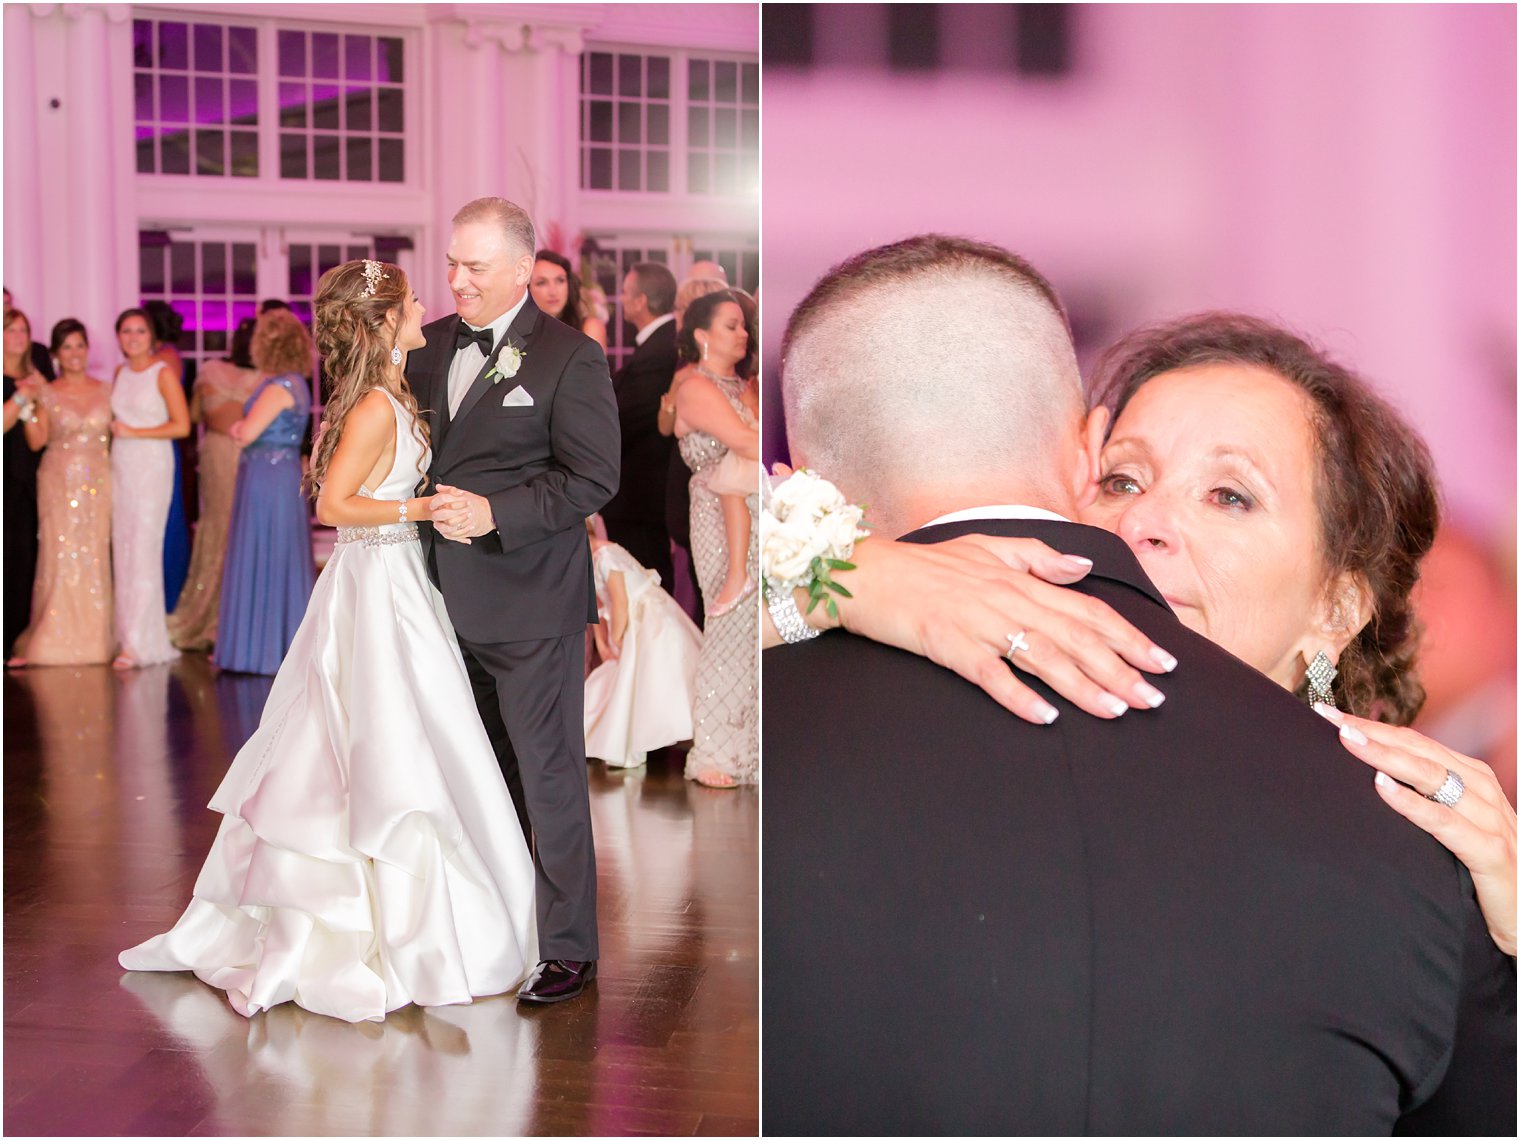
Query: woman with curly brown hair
<point x="269" y="571"/>
<point x="1283" y="510"/>
<point x="370" y="855"/>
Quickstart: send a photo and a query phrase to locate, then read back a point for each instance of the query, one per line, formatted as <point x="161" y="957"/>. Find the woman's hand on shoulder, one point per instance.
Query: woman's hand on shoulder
<point x="962" y="604"/>
<point x="1479" y="829"/>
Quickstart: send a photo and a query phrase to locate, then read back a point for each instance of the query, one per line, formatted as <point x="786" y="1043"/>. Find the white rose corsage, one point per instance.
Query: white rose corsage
<point x="508" y="360"/>
<point x="807" y="533"/>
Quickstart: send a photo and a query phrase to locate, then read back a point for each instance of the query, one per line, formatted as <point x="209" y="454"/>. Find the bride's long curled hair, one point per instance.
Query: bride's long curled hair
<point x="355" y="344"/>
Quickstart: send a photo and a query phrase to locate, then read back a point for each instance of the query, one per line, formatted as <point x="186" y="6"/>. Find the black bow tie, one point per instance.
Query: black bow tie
<point x="467" y="336"/>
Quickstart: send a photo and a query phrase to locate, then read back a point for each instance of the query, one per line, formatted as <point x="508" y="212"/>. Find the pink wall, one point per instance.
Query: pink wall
<point x="1347" y="169"/>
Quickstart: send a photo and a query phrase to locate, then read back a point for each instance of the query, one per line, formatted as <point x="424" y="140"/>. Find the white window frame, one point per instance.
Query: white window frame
<point x="268" y="79"/>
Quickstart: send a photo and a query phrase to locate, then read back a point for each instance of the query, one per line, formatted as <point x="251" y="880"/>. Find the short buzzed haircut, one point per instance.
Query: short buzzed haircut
<point x="657" y="283"/>
<point x="931" y="360"/>
<point x="509" y="217"/>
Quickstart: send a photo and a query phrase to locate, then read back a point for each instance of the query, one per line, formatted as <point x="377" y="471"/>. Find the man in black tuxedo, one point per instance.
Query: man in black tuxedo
<point x="635" y="517"/>
<point x="1193" y="919"/>
<point x="525" y="445"/>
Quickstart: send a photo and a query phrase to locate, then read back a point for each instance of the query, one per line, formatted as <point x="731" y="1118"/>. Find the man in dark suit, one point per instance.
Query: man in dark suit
<point x="1192" y="919"/>
<point x="525" y="445"/>
<point x="635" y="517"/>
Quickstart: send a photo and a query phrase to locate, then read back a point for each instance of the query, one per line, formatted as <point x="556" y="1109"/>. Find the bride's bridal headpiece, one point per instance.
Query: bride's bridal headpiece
<point x="374" y="273"/>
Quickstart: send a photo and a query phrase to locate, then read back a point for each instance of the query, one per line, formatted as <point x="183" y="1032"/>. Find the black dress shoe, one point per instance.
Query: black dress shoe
<point x="556" y="980"/>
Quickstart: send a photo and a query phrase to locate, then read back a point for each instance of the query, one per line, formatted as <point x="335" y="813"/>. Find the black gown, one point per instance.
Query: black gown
<point x="20" y="551"/>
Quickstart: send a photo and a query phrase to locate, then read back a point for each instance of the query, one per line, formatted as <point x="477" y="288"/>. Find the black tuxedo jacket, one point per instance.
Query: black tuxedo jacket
<point x="545" y="467"/>
<point x="1196" y="919"/>
<point x="638" y="386"/>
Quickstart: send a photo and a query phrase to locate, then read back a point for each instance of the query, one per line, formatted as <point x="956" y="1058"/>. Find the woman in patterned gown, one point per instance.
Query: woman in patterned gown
<point x="71" y="601"/>
<point x="718" y="411"/>
<point x="269" y="573"/>
<point x="148" y="406"/>
<point x="221" y="389"/>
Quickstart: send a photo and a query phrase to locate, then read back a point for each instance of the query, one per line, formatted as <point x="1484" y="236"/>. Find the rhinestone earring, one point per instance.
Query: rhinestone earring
<point x="395" y="354"/>
<point x="1321" y="672"/>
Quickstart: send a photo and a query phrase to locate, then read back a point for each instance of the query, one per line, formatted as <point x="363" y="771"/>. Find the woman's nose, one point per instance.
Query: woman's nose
<point x="1149" y="523"/>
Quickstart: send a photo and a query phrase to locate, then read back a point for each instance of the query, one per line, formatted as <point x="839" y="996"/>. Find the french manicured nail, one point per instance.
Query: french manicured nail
<point x="1330" y="713"/>
<point x="1078" y="560"/>
<point x="1150" y="694"/>
<point x="1384" y="781"/>
<point x="1163" y="658"/>
<point x="1113" y="704"/>
<point x="1047" y="713"/>
<point x="1352" y="734"/>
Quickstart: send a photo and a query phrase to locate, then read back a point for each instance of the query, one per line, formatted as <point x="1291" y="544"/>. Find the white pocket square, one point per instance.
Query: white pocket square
<point x="517" y="398"/>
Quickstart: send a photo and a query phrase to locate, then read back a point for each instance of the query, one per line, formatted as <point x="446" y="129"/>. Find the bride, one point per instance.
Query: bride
<point x="369" y="855"/>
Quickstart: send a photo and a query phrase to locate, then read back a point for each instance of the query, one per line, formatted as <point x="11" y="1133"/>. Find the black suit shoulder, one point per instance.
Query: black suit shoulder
<point x="1150" y="924"/>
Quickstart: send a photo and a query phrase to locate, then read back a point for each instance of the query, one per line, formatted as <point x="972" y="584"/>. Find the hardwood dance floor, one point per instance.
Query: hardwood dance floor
<point x="106" y="781"/>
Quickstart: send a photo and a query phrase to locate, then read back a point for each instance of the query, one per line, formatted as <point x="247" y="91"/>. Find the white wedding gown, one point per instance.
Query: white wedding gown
<point x="370" y="855"/>
<point x="641" y="699"/>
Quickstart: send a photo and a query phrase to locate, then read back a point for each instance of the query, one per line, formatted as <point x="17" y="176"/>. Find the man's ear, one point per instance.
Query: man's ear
<point x="524" y="270"/>
<point x="1094" y="432"/>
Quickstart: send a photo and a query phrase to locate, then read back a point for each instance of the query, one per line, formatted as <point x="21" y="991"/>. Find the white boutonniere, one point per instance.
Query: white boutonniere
<point x="508" y="361"/>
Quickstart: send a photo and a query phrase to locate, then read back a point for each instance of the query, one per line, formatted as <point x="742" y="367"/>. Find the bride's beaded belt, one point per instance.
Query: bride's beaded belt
<point x="378" y="536"/>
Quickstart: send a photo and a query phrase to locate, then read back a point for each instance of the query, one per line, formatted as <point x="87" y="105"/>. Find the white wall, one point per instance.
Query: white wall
<point x="1349" y="169"/>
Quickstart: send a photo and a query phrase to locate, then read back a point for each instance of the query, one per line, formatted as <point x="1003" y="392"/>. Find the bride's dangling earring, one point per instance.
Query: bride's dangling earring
<point x="1321" y="673"/>
<point x="396" y="355"/>
<point x="704" y="352"/>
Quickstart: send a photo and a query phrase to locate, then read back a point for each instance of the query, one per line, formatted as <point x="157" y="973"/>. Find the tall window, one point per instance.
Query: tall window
<point x="342" y="107"/>
<point x="196" y="105"/>
<point x="209" y="282"/>
<point x="723" y="133"/>
<point x="625" y="121"/>
<point x="336" y="101"/>
<point x="669" y="123"/>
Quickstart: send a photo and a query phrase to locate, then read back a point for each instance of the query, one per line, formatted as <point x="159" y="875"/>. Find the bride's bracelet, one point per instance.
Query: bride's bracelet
<point x="401" y="508"/>
<point x="807" y="534"/>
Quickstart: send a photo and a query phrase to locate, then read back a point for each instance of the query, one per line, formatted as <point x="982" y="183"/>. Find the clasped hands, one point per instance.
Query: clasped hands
<point x="460" y="515"/>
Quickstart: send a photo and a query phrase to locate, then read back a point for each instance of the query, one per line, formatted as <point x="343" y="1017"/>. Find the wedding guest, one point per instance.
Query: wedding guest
<point x="717" y="411"/>
<point x="736" y="478"/>
<point x="1218" y="867"/>
<point x="221" y="389"/>
<point x="640" y="697"/>
<point x="148" y="406"/>
<point x="23" y="387"/>
<point x="269" y="304"/>
<point x="167" y="327"/>
<point x="269" y="572"/>
<point x="556" y="290"/>
<point x="635" y="518"/>
<point x="41" y="358"/>
<point x="677" y="491"/>
<point x="709" y="269"/>
<point x="71" y="600"/>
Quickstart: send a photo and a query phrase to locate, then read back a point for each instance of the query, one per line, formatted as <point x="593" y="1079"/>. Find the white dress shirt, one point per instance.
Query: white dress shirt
<point x="468" y="360"/>
<point x="648" y="330"/>
<point x="999" y="511"/>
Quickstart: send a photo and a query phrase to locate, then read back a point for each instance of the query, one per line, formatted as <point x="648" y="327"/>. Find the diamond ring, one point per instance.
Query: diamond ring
<point x="1016" y="642"/>
<point x="1450" y="790"/>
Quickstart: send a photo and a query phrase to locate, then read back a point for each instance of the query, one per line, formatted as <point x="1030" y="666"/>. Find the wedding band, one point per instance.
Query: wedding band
<point x="1450" y="791"/>
<point x="1016" y="642"/>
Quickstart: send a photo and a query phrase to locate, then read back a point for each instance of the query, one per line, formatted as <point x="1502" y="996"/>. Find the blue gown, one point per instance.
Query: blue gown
<point x="269" y="571"/>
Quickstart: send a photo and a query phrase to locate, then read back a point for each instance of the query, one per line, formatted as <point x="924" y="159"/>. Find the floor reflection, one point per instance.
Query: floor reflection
<point x="106" y="781"/>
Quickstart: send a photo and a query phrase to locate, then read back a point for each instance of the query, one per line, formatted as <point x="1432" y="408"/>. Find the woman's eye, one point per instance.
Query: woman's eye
<point x="1228" y="497"/>
<point x="1120" y="485"/>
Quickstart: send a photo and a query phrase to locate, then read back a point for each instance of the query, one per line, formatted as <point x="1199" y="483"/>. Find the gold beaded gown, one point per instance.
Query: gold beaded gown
<point x="725" y="712"/>
<point x="192" y="625"/>
<point x="71" y="601"/>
